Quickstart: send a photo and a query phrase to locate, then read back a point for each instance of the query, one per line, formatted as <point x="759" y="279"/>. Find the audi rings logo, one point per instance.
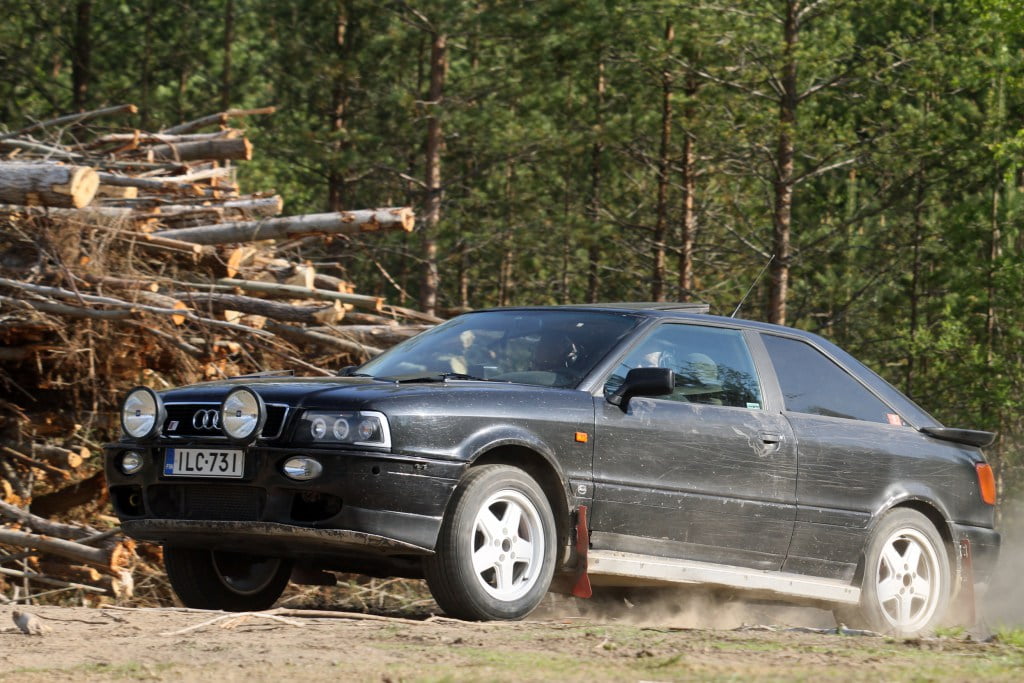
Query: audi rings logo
<point x="206" y="419"/>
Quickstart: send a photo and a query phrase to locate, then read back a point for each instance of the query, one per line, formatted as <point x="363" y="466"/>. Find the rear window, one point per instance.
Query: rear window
<point x="812" y="383"/>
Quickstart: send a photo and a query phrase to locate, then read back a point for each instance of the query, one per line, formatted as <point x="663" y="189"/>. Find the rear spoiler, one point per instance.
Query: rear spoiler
<point x="968" y="437"/>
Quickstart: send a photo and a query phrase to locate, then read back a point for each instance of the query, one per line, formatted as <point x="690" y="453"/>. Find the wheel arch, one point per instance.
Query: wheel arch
<point x="933" y="514"/>
<point x="546" y="474"/>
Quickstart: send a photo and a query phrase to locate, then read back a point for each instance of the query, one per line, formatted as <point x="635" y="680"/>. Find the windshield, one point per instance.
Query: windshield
<point x="553" y="348"/>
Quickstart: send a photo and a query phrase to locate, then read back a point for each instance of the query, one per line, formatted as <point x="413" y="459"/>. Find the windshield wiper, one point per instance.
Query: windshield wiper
<point x="440" y="377"/>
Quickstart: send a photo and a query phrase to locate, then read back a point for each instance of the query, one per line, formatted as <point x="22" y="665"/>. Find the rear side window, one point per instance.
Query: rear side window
<point x="812" y="383"/>
<point x="711" y="365"/>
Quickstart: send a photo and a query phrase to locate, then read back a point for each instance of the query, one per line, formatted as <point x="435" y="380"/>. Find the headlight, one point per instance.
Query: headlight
<point x="242" y="414"/>
<point x="142" y="413"/>
<point x="358" y="428"/>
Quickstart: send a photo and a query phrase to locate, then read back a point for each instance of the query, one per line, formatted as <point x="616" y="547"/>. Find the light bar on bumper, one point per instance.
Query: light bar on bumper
<point x="352" y="427"/>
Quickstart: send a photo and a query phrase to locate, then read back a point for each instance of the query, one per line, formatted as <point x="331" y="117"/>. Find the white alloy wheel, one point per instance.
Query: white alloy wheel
<point x="907" y="577"/>
<point x="496" y="549"/>
<point x="907" y="580"/>
<point x="508" y="545"/>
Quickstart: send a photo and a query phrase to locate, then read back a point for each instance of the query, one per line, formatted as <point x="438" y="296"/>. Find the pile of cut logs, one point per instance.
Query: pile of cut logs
<point x="130" y="257"/>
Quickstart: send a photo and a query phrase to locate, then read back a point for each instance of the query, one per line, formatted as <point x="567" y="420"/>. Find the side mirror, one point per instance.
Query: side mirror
<point x="643" y="382"/>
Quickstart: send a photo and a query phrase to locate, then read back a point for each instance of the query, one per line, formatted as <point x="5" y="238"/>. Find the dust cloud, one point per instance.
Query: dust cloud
<point x="684" y="607"/>
<point x="1002" y="604"/>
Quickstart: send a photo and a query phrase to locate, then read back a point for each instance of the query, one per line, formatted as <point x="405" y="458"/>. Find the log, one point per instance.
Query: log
<point x="236" y="208"/>
<point x="303" y="337"/>
<point x="136" y="138"/>
<point x="373" y="303"/>
<point x="47" y="184"/>
<point x="342" y="222"/>
<point x="68" y="119"/>
<point x="57" y="546"/>
<point x="223" y="148"/>
<point x="88" y="490"/>
<point x="376" y="335"/>
<point x="169" y="184"/>
<point x="220" y="302"/>
<point x="32" y="462"/>
<point x="220" y="118"/>
<point x="57" y="456"/>
<point x="48" y="581"/>
<point x="45" y="526"/>
<point x="84" y="215"/>
<point x="116" y="192"/>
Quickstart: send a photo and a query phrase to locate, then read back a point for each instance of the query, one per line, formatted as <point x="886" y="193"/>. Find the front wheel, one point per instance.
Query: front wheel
<point x="907" y="581"/>
<point x="235" y="582"/>
<point x="495" y="553"/>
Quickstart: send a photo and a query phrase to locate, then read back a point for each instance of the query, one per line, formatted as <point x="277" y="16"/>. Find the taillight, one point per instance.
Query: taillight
<point x="986" y="482"/>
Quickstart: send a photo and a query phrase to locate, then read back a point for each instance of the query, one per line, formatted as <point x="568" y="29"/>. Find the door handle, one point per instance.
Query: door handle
<point x="769" y="438"/>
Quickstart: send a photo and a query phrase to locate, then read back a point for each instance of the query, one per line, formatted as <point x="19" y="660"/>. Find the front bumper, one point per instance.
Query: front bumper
<point x="363" y="502"/>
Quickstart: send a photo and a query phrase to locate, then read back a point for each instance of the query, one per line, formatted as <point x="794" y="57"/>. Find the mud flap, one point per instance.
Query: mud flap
<point x="581" y="586"/>
<point x="965" y="602"/>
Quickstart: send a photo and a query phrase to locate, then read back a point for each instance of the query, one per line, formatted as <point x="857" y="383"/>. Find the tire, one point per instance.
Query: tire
<point x="485" y="568"/>
<point x="907" y="577"/>
<point x="235" y="582"/>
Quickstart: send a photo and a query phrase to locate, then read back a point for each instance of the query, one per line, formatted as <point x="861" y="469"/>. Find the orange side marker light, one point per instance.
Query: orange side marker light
<point x="582" y="437"/>
<point x="986" y="482"/>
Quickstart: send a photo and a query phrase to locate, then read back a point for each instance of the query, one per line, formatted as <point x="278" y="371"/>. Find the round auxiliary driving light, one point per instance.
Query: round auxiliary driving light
<point x="131" y="462"/>
<point x="242" y="414"/>
<point x="302" y="469"/>
<point x="142" y="413"/>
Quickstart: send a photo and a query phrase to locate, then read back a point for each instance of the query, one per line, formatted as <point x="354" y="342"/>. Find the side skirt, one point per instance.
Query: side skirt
<point x="612" y="567"/>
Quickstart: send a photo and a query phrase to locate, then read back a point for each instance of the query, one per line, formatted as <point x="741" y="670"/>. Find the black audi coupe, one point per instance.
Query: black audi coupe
<point x="510" y="452"/>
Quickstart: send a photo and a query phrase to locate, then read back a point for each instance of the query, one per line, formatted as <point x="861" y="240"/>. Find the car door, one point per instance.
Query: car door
<point x="854" y="452"/>
<point x="707" y="473"/>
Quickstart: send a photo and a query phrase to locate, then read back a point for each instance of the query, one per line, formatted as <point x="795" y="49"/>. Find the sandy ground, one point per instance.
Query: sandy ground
<point x="560" y="642"/>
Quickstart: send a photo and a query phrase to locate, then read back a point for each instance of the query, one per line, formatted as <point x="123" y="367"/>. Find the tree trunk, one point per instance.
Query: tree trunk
<point x="47" y="184"/>
<point x="82" y="55"/>
<point x="783" y="185"/>
<point x="342" y="222"/>
<point x="594" y="205"/>
<point x="339" y="110"/>
<point x="229" y="39"/>
<point x="661" y="221"/>
<point x="688" y="226"/>
<point x="438" y="69"/>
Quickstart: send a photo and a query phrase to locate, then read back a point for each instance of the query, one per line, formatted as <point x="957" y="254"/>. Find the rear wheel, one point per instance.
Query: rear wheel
<point x="907" y="580"/>
<point x="495" y="554"/>
<point x="236" y="582"/>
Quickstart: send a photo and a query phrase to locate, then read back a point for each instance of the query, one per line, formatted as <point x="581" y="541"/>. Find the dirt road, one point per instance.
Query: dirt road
<point x="170" y="644"/>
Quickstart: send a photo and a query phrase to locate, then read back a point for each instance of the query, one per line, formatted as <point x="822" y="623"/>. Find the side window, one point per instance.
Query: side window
<point x="812" y="383"/>
<point x="711" y="365"/>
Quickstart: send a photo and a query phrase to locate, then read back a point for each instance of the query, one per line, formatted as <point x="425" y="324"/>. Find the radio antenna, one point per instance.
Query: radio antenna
<point x="752" y="285"/>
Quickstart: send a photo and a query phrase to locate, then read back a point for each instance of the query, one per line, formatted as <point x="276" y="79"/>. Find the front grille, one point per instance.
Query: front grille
<point x="206" y="503"/>
<point x="182" y="421"/>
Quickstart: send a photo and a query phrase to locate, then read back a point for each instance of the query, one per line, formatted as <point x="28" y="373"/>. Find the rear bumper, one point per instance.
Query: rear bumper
<point x="984" y="549"/>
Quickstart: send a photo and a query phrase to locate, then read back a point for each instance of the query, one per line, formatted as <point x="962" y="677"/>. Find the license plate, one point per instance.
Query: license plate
<point x="204" y="462"/>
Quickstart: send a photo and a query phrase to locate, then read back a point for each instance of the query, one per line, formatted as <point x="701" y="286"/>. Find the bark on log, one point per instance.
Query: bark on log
<point x="168" y="185"/>
<point x="78" y="117"/>
<point x="88" y="490"/>
<point x="343" y="222"/>
<point x="220" y="118"/>
<point x="84" y="215"/>
<point x="376" y="335"/>
<point x="60" y="547"/>
<point x="57" y="456"/>
<point x="372" y="303"/>
<point x="302" y="337"/>
<point x="47" y="184"/>
<point x="225" y="148"/>
<point x="220" y="302"/>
